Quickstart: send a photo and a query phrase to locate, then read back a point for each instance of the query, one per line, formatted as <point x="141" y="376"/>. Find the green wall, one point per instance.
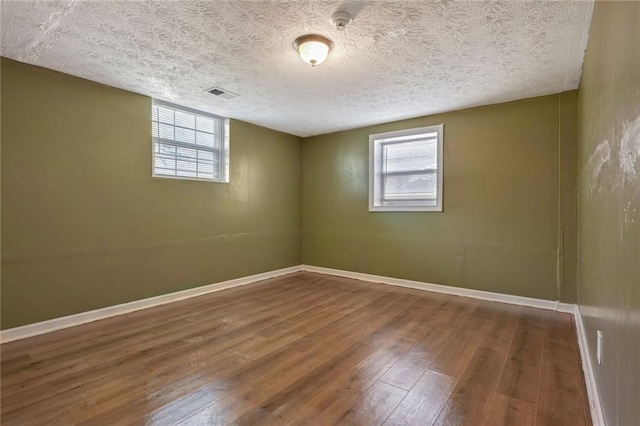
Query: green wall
<point x="609" y="205"/>
<point x="86" y="226"/>
<point x="504" y="227"/>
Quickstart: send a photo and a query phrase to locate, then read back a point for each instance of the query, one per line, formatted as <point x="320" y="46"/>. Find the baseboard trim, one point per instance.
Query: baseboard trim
<point x="597" y="415"/>
<point x="439" y="288"/>
<point x="55" y="324"/>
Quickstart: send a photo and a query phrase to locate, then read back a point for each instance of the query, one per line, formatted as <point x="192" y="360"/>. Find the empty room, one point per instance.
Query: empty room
<point x="320" y="212"/>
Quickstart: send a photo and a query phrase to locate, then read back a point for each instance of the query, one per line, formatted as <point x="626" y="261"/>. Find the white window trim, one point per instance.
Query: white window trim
<point x="224" y="147"/>
<point x="375" y="174"/>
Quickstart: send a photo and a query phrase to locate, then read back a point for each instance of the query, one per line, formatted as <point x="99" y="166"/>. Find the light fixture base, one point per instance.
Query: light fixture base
<point x="313" y="48"/>
<point x="340" y="20"/>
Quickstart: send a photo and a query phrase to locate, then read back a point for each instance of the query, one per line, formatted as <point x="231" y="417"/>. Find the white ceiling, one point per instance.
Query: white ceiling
<point x="397" y="59"/>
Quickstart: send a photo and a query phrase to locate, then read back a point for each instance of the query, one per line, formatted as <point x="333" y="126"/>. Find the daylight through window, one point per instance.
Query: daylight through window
<point x="406" y="170"/>
<point x="189" y="144"/>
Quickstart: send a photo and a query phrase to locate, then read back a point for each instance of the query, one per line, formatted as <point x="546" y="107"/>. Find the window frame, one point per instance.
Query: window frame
<point x="224" y="149"/>
<point x="376" y="192"/>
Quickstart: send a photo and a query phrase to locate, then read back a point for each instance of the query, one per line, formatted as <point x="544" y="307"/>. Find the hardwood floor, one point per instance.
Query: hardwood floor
<point x="303" y="349"/>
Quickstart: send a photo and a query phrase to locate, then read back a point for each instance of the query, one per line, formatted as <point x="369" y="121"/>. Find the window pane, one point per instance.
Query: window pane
<point x="204" y="124"/>
<point x="204" y="139"/>
<point x="206" y="175"/>
<point x="205" y="168"/>
<point x="166" y="131"/>
<point x="185" y="119"/>
<point x="410" y="156"/>
<point x="163" y="148"/>
<point x="179" y="161"/>
<point x="205" y="156"/>
<point x="185" y="135"/>
<point x="410" y="187"/>
<point x="175" y="130"/>
<point x="186" y="166"/>
<point x="165" y="115"/>
<point x="187" y="153"/>
<point x="165" y="163"/>
<point x="167" y="172"/>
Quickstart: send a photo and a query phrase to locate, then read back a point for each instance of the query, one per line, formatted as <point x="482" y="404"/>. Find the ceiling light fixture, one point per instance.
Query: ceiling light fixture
<point x="313" y="48"/>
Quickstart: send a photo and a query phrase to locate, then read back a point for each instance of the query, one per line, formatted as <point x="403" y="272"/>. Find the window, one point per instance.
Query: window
<point x="189" y="144"/>
<point x="405" y="170"/>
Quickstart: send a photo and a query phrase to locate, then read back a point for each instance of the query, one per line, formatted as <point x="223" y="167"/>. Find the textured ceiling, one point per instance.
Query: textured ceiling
<point x="397" y="59"/>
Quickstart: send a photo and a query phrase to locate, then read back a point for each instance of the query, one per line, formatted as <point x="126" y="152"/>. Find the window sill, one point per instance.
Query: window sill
<point x="436" y="209"/>
<point x="188" y="178"/>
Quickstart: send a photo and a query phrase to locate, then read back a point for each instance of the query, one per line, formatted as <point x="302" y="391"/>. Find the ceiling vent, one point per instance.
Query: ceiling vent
<point x="224" y="94"/>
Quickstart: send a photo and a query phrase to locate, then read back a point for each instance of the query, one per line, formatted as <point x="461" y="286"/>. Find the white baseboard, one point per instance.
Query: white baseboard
<point x="110" y="311"/>
<point x="597" y="416"/>
<point x="35" y="329"/>
<point x="456" y="291"/>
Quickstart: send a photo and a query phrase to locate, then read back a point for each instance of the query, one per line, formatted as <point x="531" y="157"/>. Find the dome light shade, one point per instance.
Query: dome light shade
<point x="313" y="48"/>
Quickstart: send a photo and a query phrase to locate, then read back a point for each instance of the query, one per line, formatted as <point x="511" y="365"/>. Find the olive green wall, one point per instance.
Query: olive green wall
<point x="502" y="222"/>
<point x="609" y="205"/>
<point x="86" y="226"/>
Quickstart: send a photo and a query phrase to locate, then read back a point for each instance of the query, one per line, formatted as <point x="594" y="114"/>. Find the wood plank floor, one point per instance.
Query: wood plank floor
<point x="303" y="349"/>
